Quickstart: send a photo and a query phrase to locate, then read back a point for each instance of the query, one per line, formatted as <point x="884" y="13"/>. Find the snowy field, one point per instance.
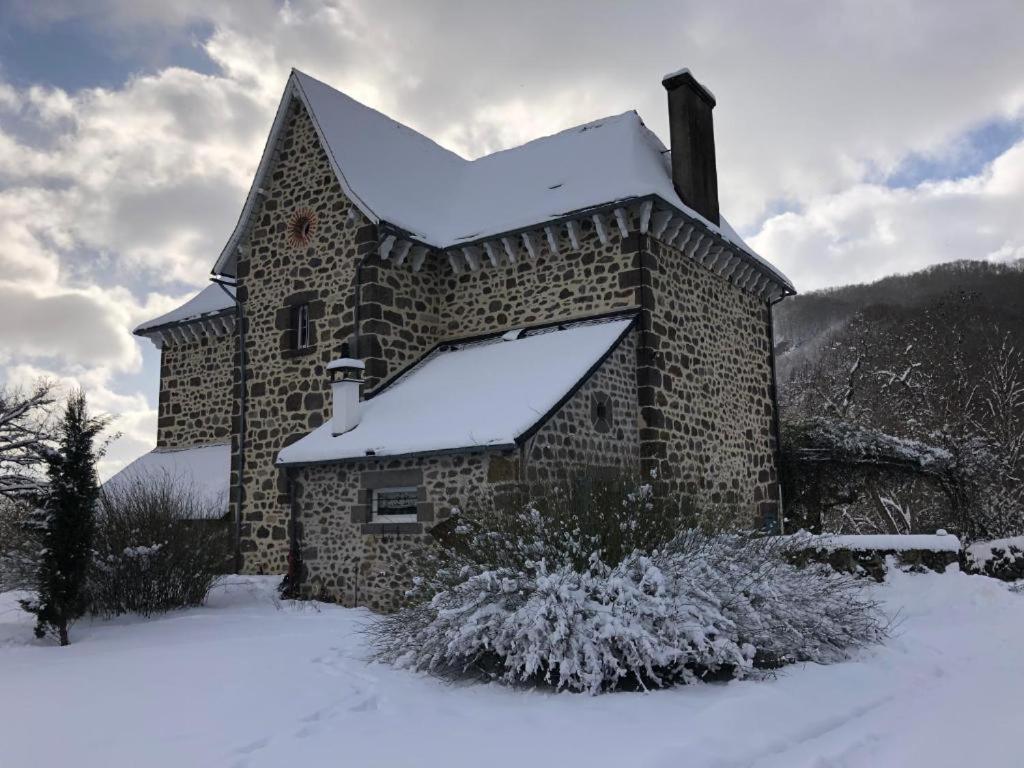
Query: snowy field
<point x="249" y="681"/>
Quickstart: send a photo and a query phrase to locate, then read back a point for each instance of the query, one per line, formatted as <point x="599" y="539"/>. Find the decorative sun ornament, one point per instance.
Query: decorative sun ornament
<point x="301" y="227"/>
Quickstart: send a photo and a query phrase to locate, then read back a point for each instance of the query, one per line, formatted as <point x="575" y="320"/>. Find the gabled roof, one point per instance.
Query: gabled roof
<point x="489" y="393"/>
<point x="398" y="176"/>
<point x="212" y="300"/>
<point x="203" y="471"/>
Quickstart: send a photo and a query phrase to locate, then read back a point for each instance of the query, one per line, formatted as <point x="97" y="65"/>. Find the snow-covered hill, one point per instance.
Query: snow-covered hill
<point x="249" y="681"/>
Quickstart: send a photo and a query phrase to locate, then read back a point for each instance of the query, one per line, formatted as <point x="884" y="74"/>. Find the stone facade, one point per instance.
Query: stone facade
<point x="196" y="392"/>
<point x="347" y="558"/>
<point x="706" y="388"/>
<point x="287" y="390"/>
<point x="597" y="427"/>
<point x="688" y="394"/>
<point x="572" y="283"/>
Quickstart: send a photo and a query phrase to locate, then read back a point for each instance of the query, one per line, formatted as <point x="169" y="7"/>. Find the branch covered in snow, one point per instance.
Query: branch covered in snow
<point x="24" y="439"/>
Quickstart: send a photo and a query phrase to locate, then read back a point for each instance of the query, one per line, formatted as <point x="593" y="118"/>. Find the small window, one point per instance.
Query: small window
<point x="601" y="412"/>
<point x="394" y="505"/>
<point x="302" y="335"/>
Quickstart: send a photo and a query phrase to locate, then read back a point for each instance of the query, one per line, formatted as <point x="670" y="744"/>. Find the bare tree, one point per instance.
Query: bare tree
<point x="24" y="438"/>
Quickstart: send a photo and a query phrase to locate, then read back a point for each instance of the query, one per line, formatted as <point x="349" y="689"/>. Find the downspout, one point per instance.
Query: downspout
<point x="294" y="544"/>
<point x="356" y="309"/>
<point x="240" y="321"/>
<point x="358" y="353"/>
<point x="775" y="411"/>
<point x="643" y="326"/>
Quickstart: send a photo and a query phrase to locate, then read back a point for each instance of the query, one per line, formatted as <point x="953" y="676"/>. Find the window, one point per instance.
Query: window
<point x="394" y="505"/>
<point x="601" y="412"/>
<point x="302" y="335"/>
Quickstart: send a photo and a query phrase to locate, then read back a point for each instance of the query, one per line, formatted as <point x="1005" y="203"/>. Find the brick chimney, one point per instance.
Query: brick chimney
<point x="346" y="382"/>
<point x="692" y="132"/>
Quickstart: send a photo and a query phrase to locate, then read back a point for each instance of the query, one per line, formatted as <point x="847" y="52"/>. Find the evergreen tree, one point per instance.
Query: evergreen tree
<point x="66" y="518"/>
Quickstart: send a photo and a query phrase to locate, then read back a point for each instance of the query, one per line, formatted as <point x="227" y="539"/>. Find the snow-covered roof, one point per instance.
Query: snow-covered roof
<point x="204" y="471"/>
<point x="466" y="396"/>
<point x="211" y="300"/>
<point x="396" y="175"/>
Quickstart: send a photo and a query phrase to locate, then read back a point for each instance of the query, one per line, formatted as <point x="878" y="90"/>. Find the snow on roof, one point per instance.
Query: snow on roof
<point x="209" y="301"/>
<point x="686" y="71"/>
<point x="205" y="471"/>
<point x="397" y="175"/>
<point x="345" y="362"/>
<point x="464" y="396"/>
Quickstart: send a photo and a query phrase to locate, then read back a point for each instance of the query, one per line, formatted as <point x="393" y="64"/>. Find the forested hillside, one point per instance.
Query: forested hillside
<point x="803" y="322"/>
<point x="936" y="358"/>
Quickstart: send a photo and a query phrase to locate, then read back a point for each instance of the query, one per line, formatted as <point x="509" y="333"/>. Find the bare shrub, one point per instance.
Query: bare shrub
<point x="20" y="544"/>
<point x="158" y="546"/>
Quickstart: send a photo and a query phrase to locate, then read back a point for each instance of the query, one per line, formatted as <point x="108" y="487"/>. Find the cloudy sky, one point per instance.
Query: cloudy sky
<point x="855" y="139"/>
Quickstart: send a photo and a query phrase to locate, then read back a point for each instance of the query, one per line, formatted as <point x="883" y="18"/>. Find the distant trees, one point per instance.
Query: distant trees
<point x="944" y="370"/>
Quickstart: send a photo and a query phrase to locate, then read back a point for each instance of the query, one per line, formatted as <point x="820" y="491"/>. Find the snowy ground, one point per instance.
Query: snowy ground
<point x="247" y="681"/>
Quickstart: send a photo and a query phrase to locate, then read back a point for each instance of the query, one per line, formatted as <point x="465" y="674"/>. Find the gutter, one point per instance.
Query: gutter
<point x="495" y="447"/>
<point x="240" y="322"/>
<point x="779" y="464"/>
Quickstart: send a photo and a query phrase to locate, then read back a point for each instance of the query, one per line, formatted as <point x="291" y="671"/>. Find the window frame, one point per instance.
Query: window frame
<point x="303" y="327"/>
<point x="409" y="517"/>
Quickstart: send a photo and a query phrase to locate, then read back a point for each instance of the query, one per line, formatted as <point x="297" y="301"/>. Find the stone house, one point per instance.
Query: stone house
<point x="390" y="325"/>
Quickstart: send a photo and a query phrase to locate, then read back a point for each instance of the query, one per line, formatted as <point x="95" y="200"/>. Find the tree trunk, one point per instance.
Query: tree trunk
<point x="63" y="631"/>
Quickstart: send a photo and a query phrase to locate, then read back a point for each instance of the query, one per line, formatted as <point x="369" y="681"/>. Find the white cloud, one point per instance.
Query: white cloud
<point x="869" y="231"/>
<point x="82" y="327"/>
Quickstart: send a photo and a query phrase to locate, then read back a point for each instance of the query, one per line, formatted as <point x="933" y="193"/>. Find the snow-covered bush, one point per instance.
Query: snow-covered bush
<point x="524" y="596"/>
<point x="156" y="548"/>
<point x="787" y="613"/>
<point x="1000" y="559"/>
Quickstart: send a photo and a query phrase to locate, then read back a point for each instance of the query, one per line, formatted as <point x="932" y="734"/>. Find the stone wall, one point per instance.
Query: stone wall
<point x="196" y="392"/>
<point x="597" y="427"/>
<point x="399" y="312"/>
<point x="705" y="387"/>
<point x="573" y="283"/>
<point x="288" y="392"/>
<point x="347" y="558"/>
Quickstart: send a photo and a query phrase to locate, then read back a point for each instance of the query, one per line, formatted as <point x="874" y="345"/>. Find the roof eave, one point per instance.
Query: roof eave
<point x="147" y="330"/>
<point x="497" y="447"/>
<point x="690" y="216"/>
